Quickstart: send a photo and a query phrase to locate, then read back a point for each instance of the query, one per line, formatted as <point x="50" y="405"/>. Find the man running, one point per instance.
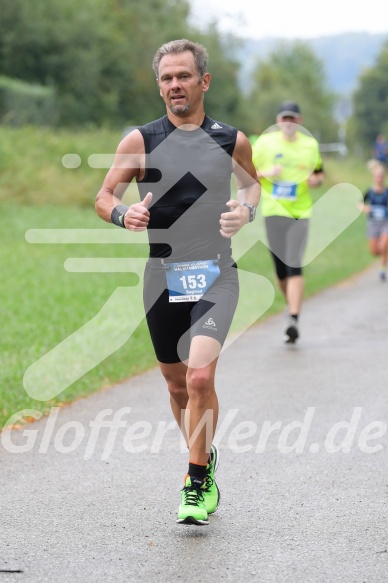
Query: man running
<point x="288" y="164"/>
<point x="183" y="163"/>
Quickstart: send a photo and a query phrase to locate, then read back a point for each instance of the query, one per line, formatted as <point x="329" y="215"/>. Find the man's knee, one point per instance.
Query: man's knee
<point x="200" y="383"/>
<point x="175" y="377"/>
<point x="177" y="390"/>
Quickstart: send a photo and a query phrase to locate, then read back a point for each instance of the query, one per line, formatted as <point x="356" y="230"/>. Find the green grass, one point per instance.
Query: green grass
<point x="42" y="304"/>
<point x="31" y="169"/>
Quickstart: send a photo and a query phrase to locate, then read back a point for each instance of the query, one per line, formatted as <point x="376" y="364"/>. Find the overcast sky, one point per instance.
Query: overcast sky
<point x="293" y="18"/>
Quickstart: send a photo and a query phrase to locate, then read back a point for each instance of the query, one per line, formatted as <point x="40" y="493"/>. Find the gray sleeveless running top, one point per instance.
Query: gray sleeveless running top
<point x="188" y="173"/>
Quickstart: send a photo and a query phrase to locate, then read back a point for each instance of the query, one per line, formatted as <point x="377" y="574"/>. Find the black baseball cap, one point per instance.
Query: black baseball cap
<point x="289" y="108"/>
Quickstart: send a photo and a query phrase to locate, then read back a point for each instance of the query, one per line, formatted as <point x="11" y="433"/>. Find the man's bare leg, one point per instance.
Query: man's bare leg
<point x="175" y="375"/>
<point x="294" y="291"/>
<point x="192" y="395"/>
<point x="282" y="283"/>
<point x="202" y="406"/>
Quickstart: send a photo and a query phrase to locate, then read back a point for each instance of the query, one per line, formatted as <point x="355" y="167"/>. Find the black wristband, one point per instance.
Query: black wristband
<point x="117" y="215"/>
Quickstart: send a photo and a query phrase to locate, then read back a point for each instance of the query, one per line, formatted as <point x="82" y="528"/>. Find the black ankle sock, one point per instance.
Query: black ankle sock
<point x="295" y="317"/>
<point x="197" y="473"/>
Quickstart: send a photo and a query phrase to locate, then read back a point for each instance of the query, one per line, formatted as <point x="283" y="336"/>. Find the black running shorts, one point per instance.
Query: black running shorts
<point x="173" y="325"/>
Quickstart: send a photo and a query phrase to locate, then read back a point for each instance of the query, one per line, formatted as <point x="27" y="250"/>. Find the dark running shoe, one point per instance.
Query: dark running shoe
<point x="291" y="333"/>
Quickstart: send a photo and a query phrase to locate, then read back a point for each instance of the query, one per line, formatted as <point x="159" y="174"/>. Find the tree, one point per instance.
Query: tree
<point x="370" y="101"/>
<point x="65" y="45"/>
<point x="96" y="55"/>
<point x="292" y="72"/>
<point x="223" y="100"/>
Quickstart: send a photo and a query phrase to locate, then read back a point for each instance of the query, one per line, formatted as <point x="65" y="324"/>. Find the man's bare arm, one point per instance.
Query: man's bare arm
<point x="315" y="179"/>
<point x="248" y="188"/>
<point x="129" y="163"/>
<point x="247" y="182"/>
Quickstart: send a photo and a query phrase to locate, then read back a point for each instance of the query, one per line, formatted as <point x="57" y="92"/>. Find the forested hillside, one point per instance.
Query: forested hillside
<point x="344" y="56"/>
<point x="71" y="65"/>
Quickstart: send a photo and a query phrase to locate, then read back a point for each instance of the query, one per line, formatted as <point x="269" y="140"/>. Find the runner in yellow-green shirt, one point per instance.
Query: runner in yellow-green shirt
<point x="288" y="164"/>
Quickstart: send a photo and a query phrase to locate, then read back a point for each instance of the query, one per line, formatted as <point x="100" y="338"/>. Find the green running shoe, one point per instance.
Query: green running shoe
<point x="192" y="508"/>
<point x="211" y="492"/>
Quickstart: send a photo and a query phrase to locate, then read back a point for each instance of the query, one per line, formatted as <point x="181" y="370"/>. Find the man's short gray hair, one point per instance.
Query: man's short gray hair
<point x="180" y="46"/>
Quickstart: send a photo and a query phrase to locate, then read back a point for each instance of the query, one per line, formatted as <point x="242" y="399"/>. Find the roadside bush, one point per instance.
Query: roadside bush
<point x="23" y="103"/>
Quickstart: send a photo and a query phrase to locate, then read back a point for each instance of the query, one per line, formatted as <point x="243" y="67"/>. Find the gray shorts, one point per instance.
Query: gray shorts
<point x="287" y="239"/>
<point x="375" y="228"/>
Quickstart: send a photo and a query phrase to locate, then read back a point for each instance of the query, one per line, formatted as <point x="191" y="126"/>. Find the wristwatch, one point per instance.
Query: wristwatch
<point x="252" y="211"/>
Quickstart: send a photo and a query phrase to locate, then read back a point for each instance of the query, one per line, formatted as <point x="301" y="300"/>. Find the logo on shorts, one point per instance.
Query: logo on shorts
<point x="210" y="323"/>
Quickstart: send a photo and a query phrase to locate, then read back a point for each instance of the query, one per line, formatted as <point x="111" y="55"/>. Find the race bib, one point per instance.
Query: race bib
<point x="189" y="281"/>
<point x="285" y="190"/>
<point x="378" y="212"/>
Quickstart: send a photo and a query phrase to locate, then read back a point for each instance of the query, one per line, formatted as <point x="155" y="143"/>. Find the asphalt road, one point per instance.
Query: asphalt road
<point x="304" y="502"/>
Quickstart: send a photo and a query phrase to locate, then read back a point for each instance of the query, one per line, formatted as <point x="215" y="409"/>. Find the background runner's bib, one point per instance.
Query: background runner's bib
<point x="189" y="281"/>
<point x="378" y="212"/>
<point x="285" y="190"/>
<point x="378" y="204"/>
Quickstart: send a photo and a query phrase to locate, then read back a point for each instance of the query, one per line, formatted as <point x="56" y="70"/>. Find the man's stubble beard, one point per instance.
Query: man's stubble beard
<point x="179" y="109"/>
